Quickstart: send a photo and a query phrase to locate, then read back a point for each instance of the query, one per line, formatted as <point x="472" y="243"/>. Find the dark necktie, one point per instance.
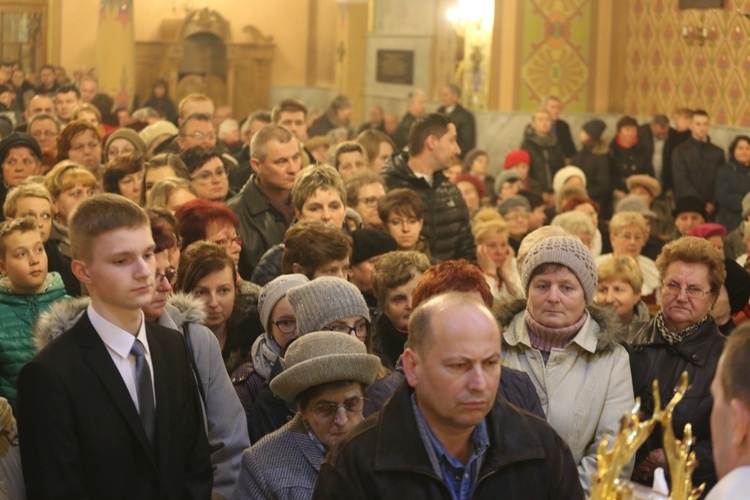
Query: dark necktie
<point x="145" y="390"/>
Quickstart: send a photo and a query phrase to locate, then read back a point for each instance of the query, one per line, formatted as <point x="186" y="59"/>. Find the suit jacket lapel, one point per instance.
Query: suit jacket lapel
<point x="98" y="358"/>
<point x="161" y="389"/>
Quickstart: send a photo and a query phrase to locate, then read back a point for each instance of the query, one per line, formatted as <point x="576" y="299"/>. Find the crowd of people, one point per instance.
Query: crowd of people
<point x="287" y="306"/>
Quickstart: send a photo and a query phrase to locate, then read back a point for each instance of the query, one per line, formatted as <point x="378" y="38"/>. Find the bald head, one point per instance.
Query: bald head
<point x="441" y="314"/>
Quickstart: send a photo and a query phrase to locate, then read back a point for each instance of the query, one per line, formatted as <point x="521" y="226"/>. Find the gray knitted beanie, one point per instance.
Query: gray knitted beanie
<point x="568" y="251"/>
<point x="323" y="301"/>
<point x="273" y="292"/>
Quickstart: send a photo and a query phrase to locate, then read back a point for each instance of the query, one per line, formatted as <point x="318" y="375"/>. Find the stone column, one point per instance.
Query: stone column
<point x="115" y="51"/>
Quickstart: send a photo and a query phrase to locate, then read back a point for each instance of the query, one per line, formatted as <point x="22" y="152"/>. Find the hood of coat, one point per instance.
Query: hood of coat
<point x="184" y="308"/>
<point x="610" y="331"/>
<point x="60" y="316"/>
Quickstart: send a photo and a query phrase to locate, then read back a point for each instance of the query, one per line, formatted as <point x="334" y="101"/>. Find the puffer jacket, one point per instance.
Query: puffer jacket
<point x="446" y="219"/>
<point x="698" y="354"/>
<point x="18" y="314"/>
<point x="585" y="388"/>
<point x="223" y="416"/>
<point x="546" y="157"/>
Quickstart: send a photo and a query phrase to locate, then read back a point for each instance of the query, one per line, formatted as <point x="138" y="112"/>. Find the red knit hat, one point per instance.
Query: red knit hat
<point x="474" y="181"/>
<point x="707" y="230"/>
<point x="516" y="157"/>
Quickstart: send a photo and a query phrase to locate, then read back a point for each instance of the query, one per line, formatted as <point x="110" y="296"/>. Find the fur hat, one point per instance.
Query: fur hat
<point x="689" y="203"/>
<point x="323" y="301"/>
<point x="273" y="292"/>
<point x="19" y="140"/>
<point x="594" y="128"/>
<point x="565" y="173"/>
<point x="322" y="357"/>
<point x="647" y="182"/>
<point x="568" y="251"/>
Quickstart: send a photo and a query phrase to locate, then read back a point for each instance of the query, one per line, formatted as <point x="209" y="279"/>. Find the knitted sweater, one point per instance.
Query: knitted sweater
<point x="18" y="313"/>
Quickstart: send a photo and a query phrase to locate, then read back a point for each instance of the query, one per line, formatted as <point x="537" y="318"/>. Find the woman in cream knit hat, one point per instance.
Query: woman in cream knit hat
<point x="568" y="347"/>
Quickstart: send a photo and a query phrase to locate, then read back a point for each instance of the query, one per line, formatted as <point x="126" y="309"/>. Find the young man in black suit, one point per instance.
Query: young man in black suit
<point x="109" y="409"/>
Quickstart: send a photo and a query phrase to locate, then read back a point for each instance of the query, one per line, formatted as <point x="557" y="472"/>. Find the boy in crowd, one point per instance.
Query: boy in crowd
<point x="30" y="199"/>
<point x="26" y="290"/>
<point x="402" y="213"/>
<point x="108" y="374"/>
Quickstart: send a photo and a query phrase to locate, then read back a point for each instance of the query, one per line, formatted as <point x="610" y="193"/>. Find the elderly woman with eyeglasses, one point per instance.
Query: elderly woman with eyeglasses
<point x="325" y="377"/>
<point x="328" y="304"/>
<point x="628" y="232"/>
<point x="683" y="337"/>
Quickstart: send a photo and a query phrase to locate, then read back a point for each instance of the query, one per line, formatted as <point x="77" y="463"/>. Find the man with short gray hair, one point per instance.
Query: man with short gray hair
<point x="264" y="205"/>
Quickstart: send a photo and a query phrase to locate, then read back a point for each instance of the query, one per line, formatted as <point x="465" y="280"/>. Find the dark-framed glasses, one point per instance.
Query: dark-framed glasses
<point x="329" y="410"/>
<point x="359" y="330"/>
<point x="227" y="242"/>
<point x="170" y="274"/>
<point x="286" y="325"/>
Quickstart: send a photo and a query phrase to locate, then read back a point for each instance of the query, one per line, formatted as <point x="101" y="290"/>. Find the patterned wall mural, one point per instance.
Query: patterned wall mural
<point x="663" y="72"/>
<point x="555" y="44"/>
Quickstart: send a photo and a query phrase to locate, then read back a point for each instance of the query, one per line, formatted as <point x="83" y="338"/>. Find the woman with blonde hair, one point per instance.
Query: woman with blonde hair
<point x="171" y="194"/>
<point x="628" y="231"/>
<point x="495" y="259"/>
<point x="620" y="283"/>
<point x="69" y="184"/>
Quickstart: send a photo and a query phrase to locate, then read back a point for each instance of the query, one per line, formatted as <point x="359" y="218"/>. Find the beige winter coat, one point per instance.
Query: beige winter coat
<point x="585" y="388"/>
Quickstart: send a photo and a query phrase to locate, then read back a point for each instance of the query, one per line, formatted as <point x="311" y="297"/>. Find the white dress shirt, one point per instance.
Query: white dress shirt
<point x="733" y="486"/>
<point x="119" y="343"/>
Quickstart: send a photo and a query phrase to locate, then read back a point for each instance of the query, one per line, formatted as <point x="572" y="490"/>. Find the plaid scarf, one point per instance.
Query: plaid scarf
<point x="676" y="337"/>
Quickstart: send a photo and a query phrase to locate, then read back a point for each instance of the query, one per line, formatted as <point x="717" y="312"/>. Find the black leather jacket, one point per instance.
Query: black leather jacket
<point x="699" y="355"/>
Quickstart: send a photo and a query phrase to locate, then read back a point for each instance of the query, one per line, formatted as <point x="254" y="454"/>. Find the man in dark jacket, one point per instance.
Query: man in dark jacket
<point x="432" y="143"/>
<point x="544" y="150"/>
<point x="627" y="156"/>
<point x="466" y="127"/>
<point x="264" y="206"/>
<point x="695" y="162"/>
<point x="659" y="140"/>
<point x="444" y="434"/>
<point x="560" y="128"/>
